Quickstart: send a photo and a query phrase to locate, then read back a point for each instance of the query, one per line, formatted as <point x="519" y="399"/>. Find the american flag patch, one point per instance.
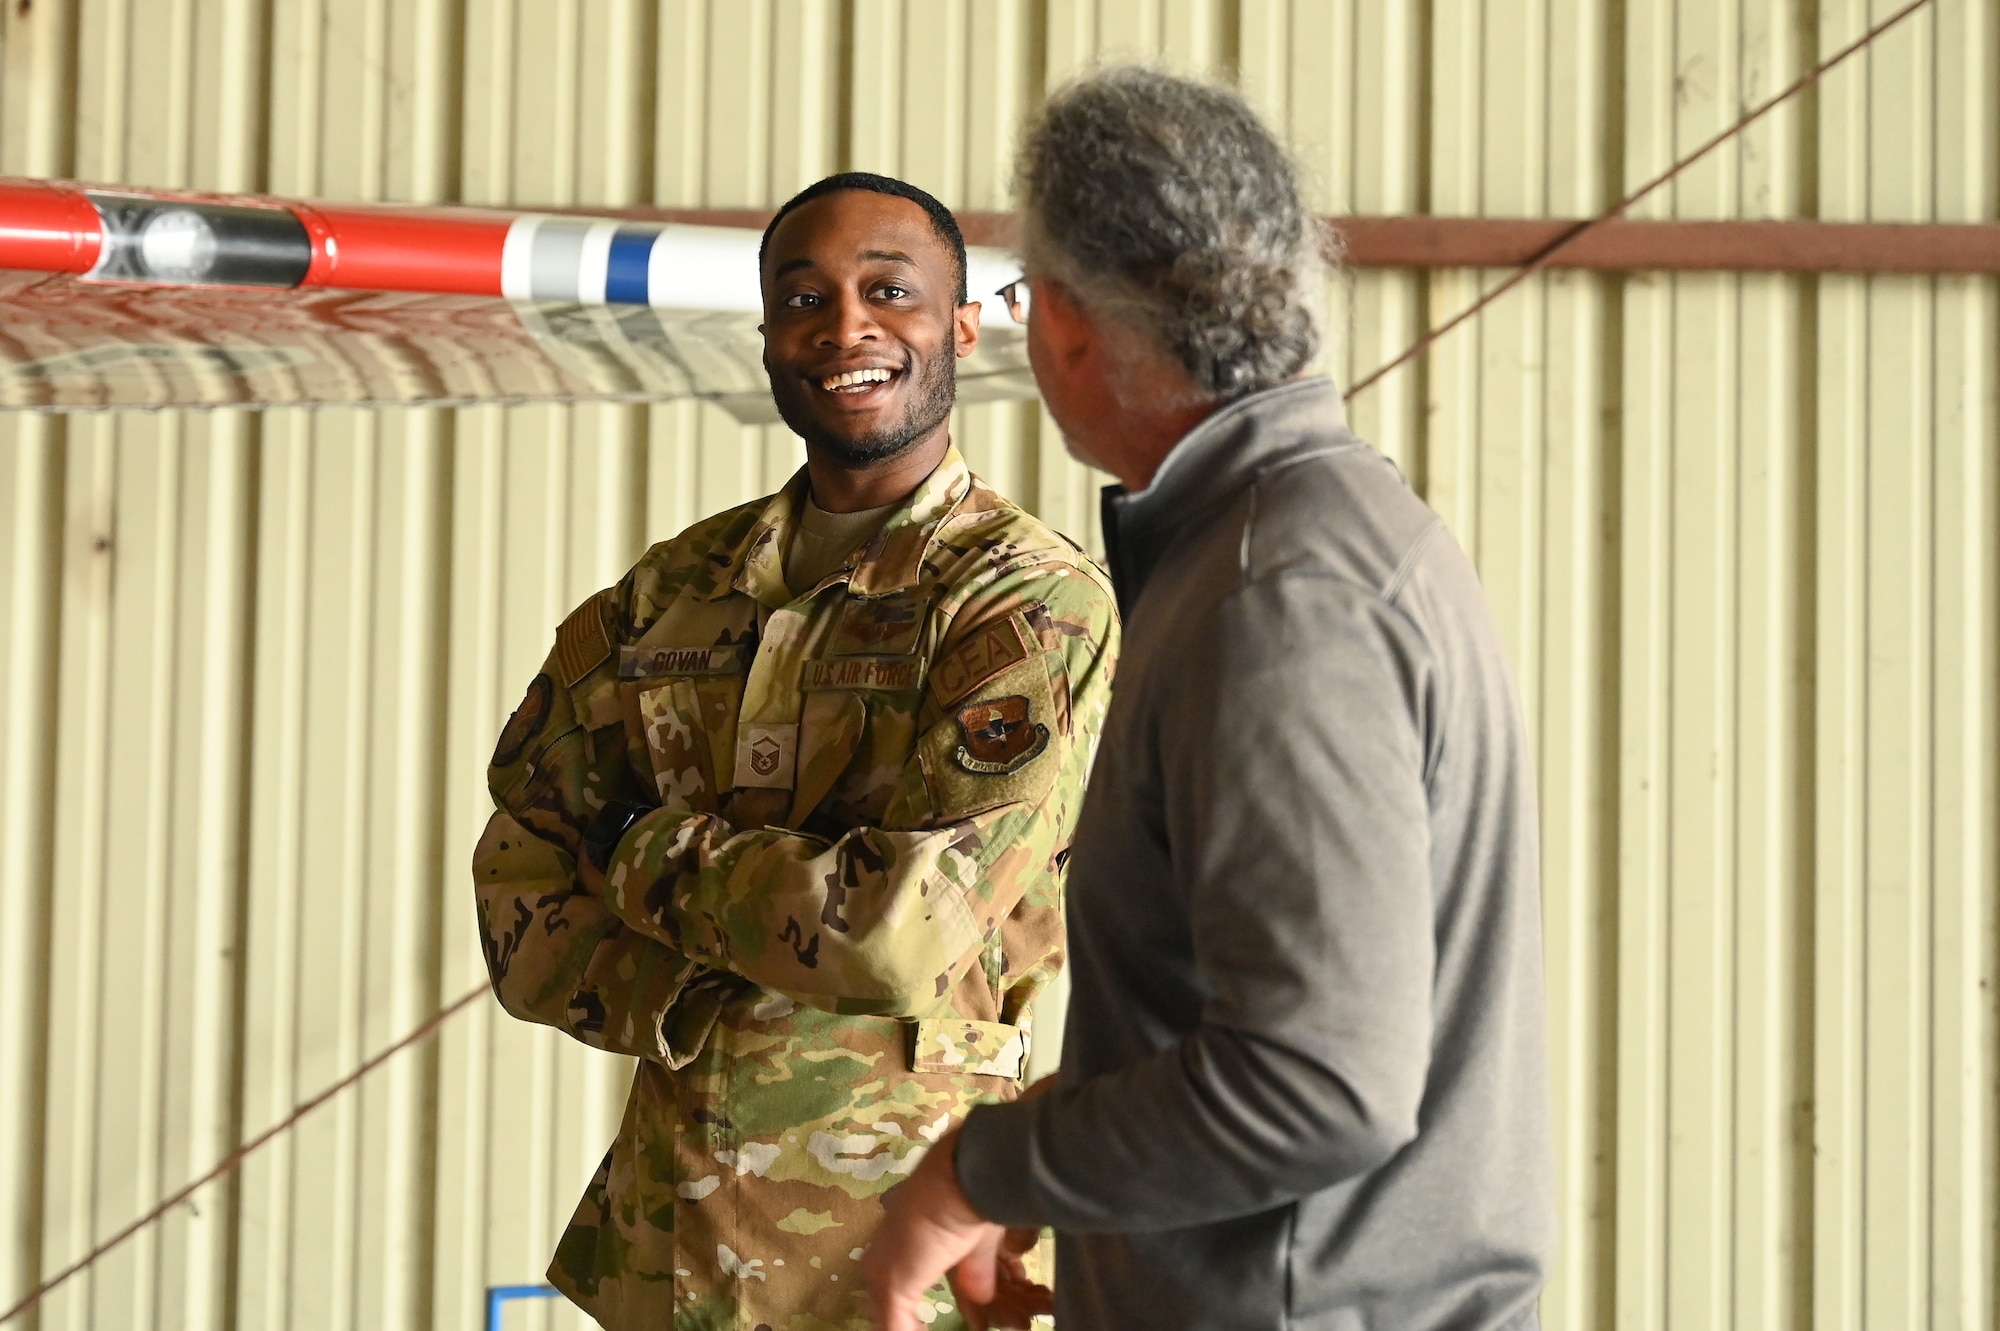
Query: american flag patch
<point x="581" y="642"/>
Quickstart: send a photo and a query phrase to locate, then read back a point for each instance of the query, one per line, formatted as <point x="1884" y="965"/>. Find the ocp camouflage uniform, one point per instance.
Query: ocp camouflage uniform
<point x="822" y="943"/>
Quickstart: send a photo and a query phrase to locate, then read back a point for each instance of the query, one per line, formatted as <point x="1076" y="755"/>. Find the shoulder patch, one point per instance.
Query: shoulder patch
<point x="582" y="642"/>
<point x="1000" y="736"/>
<point x="991" y="649"/>
<point x="526" y="721"/>
<point x="997" y="747"/>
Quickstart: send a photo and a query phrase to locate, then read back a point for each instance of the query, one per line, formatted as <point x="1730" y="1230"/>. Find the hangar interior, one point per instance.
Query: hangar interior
<point x="1740" y="518"/>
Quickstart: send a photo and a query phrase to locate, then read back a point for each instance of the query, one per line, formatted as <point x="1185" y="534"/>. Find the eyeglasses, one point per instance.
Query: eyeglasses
<point x="1015" y="293"/>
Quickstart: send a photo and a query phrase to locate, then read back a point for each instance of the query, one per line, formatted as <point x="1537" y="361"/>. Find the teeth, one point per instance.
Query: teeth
<point x="854" y="379"/>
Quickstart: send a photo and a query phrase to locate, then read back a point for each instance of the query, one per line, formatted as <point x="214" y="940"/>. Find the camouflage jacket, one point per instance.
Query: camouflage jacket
<point x="821" y="935"/>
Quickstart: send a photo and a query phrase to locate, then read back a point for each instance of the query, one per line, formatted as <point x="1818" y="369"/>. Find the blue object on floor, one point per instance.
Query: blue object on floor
<point x="497" y="1296"/>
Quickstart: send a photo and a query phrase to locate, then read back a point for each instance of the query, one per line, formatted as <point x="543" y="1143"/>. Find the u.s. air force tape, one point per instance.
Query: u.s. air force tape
<point x="862" y="672"/>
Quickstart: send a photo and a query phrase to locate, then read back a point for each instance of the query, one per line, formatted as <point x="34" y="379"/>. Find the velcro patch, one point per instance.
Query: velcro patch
<point x="999" y="736"/>
<point x="862" y="672"/>
<point x="999" y="746"/>
<point x="885" y="624"/>
<point x="765" y="756"/>
<point x="991" y="649"/>
<point x="526" y="722"/>
<point x="581" y="642"/>
<point x="648" y="662"/>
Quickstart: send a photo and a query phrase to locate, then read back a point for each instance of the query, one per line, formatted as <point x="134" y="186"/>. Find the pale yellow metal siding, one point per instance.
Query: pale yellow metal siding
<point x="1740" y="533"/>
<point x="1903" y="767"/>
<point x="1710" y="1183"/>
<point x="1516" y="445"/>
<point x="29" y="563"/>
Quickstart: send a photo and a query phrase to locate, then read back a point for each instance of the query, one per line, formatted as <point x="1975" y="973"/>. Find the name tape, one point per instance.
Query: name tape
<point x="645" y="662"/>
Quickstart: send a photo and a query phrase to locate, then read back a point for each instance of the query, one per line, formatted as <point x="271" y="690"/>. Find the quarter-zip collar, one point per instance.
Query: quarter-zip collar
<point x="1210" y="465"/>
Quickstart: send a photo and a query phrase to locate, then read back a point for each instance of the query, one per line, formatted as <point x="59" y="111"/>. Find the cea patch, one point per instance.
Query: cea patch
<point x="987" y="652"/>
<point x="999" y="736"/>
<point x="1003" y="745"/>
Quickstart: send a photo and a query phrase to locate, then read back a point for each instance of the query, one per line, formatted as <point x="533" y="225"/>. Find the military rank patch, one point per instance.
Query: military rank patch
<point x="991" y="649"/>
<point x="861" y="672"/>
<point x="765" y="756"/>
<point x="999" y="736"/>
<point x="647" y="662"/>
<point x="526" y="721"/>
<point x="581" y="642"/>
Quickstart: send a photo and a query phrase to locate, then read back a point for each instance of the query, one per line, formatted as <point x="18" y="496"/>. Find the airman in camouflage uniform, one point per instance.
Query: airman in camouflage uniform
<point x="801" y="855"/>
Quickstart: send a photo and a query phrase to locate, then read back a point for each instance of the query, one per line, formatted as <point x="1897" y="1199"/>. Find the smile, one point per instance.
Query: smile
<point x="856" y="381"/>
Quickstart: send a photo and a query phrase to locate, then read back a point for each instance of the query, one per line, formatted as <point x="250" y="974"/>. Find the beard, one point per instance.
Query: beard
<point x="933" y="390"/>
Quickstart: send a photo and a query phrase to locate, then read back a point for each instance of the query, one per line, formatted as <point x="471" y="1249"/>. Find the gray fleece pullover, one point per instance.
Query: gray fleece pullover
<point x="1303" y="1084"/>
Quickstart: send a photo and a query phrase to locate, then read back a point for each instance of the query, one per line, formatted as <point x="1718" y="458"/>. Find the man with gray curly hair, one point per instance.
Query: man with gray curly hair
<point x="1304" y="1080"/>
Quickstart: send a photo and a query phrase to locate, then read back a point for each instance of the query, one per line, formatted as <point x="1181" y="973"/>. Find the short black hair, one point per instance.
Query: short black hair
<point x="942" y="221"/>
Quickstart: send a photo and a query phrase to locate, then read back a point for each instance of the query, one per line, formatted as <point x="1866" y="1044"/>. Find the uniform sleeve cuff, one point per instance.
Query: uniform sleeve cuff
<point x="630" y="874"/>
<point x="995" y="1148"/>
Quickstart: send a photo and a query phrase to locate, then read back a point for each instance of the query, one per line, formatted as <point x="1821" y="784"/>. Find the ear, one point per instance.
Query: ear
<point x="1066" y="330"/>
<point x="965" y="328"/>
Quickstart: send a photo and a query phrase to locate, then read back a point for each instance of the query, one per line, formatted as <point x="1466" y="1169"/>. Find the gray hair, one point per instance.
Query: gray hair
<point x="1168" y="206"/>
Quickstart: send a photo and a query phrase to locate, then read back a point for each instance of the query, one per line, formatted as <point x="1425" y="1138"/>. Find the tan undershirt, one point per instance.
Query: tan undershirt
<point x="823" y="540"/>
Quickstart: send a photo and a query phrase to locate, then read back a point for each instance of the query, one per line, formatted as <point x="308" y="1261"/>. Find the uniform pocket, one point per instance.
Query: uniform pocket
<point x="543" y="792"/>
<point x="830" y="731"/>
<point x="984" y="1048"/>
<point x="717" y="700"/>
<point x="677" y="740"/>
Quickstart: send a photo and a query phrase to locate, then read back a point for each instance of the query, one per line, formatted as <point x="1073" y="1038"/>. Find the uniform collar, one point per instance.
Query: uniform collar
<point x="891" y="562"/>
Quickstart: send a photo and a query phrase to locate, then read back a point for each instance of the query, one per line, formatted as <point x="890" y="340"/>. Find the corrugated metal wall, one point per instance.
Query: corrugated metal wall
<point x="1741" y="530"/>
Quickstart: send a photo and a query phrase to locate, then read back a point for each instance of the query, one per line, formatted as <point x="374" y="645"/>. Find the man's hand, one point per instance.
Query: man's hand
<point x="929" y="1230"/>
<point x="1012" y="1299"/>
